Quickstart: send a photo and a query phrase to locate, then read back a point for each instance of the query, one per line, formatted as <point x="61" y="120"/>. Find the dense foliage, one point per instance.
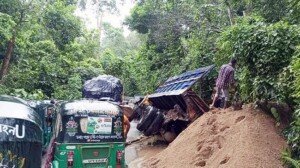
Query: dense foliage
<point x="264" y="52"/>
<point x="53" y="53"/>
<point x="293" y="133"/>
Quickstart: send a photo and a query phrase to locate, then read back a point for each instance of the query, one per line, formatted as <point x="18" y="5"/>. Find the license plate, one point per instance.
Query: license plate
<point x="103" y="160"/>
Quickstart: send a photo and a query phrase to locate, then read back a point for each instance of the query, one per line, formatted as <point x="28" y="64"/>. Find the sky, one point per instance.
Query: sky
<point x="116" y="20"/>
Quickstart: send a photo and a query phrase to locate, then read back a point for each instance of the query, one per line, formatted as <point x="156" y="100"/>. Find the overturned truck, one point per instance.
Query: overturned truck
<point x="173" y="106"/>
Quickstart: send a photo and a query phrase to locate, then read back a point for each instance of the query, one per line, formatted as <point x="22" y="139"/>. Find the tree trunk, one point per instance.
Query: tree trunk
<point x="99" y="25"/>
<point x="10" y="48"/>
<point x="230" y="16"/>
<point x="7" y="57"/>
<point x="100" y="14"/>
<point x="229" y="11"/>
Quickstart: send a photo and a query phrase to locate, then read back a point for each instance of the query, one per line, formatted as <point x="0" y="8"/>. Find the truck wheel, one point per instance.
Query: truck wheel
<point x="142" y="117"/>
<point x="136" y="114"/>
<point x="155" y="125"/>
<point x="146" y="120"/>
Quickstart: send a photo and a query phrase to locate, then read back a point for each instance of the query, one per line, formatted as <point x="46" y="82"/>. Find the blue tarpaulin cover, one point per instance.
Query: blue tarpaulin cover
<point x="177" y="85"/>
<point x="172" y="91"/>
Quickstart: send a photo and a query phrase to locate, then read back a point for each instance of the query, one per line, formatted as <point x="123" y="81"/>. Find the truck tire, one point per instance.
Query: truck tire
<point x="142" y="117"/>
<point x="146" y="120"/>
<point x="137" y="113"/>
<point x="155" y="125"/>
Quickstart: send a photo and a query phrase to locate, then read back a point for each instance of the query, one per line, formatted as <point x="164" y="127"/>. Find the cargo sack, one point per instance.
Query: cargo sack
<point x="105" y="87"/>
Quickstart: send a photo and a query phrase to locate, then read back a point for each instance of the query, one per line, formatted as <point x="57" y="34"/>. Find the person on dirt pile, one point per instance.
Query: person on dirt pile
<point x="224" y="80"/>
<point x="126" y="126"/>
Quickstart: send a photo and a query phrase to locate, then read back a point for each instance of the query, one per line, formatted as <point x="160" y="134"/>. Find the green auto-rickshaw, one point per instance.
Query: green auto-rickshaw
<point x="89" y="133"/>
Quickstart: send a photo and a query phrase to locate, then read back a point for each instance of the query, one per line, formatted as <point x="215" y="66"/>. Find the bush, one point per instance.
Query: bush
<point x="293" y="138"/>
<point x="293" y="132"/>
<point x="264" y="52"/>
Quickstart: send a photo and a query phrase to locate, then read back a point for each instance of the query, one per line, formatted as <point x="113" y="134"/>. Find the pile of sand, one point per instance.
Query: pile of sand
<point x="246" y="138"/>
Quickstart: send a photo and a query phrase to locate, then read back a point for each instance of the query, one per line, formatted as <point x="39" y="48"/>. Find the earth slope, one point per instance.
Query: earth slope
<point x="246" y="138"/>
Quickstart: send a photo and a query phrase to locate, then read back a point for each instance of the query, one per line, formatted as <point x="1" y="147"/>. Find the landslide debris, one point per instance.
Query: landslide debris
<point x="246" y="138"/>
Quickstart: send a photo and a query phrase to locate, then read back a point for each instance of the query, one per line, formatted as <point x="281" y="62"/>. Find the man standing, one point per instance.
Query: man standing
<point x="224" y="80"/>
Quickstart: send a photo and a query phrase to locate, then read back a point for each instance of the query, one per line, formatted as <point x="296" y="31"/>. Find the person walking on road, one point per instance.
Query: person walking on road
<point x="224" y="81"/>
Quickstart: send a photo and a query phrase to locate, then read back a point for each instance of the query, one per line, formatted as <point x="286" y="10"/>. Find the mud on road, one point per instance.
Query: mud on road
<point x="137" y="152"/>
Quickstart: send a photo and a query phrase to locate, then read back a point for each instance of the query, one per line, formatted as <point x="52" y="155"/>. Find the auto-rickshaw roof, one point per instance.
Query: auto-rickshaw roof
<point x="90" y="106"/>
<point x="170" y="93"/>
<point x="16" y="109"/>
<point x="12" y="99"/>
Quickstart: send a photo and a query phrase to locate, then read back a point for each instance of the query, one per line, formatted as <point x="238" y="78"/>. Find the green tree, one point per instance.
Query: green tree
<point x="114" y="40"/>
<point x="111" y="63"/>
<point x="101" y="7"/>
<point x="294" y="11"/>
<point x="15" y="13"/>
<point x="51" y="52"/>
<point x="62" y="26"/>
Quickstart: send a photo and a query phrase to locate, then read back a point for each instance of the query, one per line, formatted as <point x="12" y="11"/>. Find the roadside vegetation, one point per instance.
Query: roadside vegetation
<point x="46" y="51"/>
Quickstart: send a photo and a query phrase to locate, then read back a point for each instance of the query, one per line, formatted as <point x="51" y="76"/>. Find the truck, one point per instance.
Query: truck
<point x="173" y="106"/>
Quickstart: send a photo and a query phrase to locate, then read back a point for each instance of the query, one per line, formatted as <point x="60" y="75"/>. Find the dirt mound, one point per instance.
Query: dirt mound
<point x="246" y="138"/>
